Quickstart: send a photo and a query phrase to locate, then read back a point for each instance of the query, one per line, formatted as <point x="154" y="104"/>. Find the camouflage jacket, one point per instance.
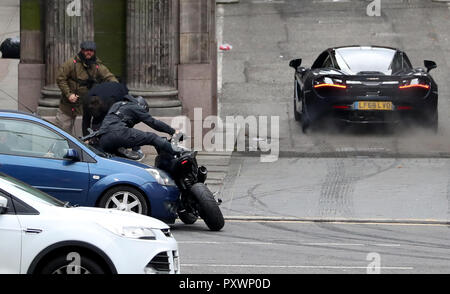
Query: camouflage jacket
<point x="75" y="77"/>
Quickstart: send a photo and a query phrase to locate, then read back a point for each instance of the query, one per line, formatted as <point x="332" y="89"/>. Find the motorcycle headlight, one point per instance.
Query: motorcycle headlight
<point x="161" y="177"/>
<point x="131" y="232"/>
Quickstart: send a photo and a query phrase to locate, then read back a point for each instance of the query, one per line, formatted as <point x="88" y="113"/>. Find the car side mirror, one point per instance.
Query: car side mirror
<point x="429" y="65"/>
<point x="3" y="205"/>
<point x="72" y="154"/>
<point x="295" y="63"/>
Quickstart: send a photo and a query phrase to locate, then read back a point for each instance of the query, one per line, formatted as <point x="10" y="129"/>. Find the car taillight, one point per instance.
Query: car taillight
<point x="415" y="86"/>
<point x="414" y="83"/>
<point x="404" y="108"/>
<point x="327" y="82"/>
<point x="330" y="85"/>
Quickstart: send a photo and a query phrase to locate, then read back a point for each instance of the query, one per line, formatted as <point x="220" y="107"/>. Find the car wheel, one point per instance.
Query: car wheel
<point x="297" y="115"/>
<point x="306" y="122"/>
<point x="430" y="121"/>
<point x="62" y="265"/>
<point x="124" y="198"/>
<point x="433" y="122"/>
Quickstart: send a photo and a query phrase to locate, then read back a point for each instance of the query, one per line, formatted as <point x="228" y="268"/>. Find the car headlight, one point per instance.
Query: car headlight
<point x="161" y="177"/>
<point x="131" y="232"/>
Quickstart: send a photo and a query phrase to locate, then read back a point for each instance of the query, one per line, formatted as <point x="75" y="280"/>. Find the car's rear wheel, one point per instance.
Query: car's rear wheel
<point x="297" y="115"/>
<point x="306" y="122"/>
<point x="429" y="121"/>
<point x="62" y="265"/>
<point x="433" y="123"/>
<point x="124" y="198"/>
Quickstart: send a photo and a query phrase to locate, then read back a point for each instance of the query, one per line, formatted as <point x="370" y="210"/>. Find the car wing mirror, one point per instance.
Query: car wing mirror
<point x="72" y="154"/>
<point x="3" y="205"/>
<point x="295" y="63"/>
<point x="429" y="65"/>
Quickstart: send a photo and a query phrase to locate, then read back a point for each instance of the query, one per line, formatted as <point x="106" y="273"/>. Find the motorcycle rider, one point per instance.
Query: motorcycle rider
<point x="97" y="104"/>
<point x="117" y="129"/>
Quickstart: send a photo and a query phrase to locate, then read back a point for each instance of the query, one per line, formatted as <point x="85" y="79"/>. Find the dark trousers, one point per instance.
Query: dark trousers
<point x="129" y="138"/>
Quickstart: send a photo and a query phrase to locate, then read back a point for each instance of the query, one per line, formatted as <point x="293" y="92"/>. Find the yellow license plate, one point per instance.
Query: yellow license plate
<point x="373" y="105"/>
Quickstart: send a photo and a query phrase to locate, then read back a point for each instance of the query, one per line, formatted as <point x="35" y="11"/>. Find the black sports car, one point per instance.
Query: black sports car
<point x="358" y="84"/>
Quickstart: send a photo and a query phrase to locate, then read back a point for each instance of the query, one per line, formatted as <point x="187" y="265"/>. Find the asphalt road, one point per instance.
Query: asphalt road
<point x="313" y="248"/>
<point x="394" y="181"/>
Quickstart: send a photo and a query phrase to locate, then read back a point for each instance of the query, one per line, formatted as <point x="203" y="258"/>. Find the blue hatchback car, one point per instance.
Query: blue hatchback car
<point x="44" y="156"/>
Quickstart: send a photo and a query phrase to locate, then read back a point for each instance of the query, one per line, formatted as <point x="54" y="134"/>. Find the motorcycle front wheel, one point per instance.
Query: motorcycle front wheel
<point x="208" y="207"/>
<point x="187" y="218"/>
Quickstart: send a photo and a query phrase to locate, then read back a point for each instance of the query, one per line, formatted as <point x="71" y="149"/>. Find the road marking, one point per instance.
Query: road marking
<point x="296" y="266"/>
<point x="284" y="244"/>
<point x="331" y="1"/>
<point x="268" y="2"/>
<point x="392" y="222"/>
<point x="387" y="245"/>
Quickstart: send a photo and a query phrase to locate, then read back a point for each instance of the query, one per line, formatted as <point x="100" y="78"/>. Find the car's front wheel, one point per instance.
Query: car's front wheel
<point x="124" y="198"/>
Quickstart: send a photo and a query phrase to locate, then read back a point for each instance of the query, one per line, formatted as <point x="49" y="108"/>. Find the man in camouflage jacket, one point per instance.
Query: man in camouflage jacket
<point x="76" y="76"/>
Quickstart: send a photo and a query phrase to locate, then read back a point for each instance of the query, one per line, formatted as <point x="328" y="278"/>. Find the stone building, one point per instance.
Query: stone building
<point x="164" y="50"/>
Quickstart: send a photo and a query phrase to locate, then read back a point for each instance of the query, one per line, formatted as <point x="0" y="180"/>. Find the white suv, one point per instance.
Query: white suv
<point x="42" y="235"/>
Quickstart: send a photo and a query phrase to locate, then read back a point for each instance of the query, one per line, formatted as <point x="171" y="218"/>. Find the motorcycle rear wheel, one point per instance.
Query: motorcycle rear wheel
<point x="208" y="207"/>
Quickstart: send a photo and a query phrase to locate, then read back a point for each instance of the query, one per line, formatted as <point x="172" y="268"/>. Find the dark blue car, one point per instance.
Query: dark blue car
<point x="44" y="156"/>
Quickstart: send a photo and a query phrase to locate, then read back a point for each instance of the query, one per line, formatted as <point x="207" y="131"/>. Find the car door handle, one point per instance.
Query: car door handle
<point x="32" y="231"/>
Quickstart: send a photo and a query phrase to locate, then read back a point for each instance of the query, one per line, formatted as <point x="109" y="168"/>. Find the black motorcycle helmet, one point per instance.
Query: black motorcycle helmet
<point x="143" y="103"/>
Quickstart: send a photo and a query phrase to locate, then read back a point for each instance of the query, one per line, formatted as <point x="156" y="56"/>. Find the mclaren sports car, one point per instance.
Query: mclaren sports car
<point x="365" y="85"/>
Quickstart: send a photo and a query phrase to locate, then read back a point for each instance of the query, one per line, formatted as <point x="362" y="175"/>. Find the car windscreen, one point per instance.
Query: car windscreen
<point x="38" y="195"/>
<point x="93" y="149"/>
<point x="360" y="60"/>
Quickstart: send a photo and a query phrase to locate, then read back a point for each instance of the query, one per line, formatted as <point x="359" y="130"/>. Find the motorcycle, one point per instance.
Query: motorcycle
<point x="196" y="199"/>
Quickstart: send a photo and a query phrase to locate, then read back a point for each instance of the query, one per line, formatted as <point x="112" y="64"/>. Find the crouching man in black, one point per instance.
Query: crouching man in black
<point x="117" y="129"/>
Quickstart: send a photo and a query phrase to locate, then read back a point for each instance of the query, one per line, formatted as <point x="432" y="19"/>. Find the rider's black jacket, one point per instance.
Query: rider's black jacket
<point x="127" y="114"/>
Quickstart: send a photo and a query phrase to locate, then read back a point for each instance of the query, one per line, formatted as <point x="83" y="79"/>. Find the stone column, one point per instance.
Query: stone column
<point x="152" y="54"/>
<point x="31" y="70"/>
<point x="197" y="76"/>
<point x="67" y="24"/>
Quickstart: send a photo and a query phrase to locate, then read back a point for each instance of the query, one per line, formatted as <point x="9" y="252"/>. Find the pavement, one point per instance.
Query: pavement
<point x="9" y="27"/>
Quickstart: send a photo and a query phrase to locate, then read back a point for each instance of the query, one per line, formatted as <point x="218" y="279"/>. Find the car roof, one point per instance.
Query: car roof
<point x="9" y="111"/>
